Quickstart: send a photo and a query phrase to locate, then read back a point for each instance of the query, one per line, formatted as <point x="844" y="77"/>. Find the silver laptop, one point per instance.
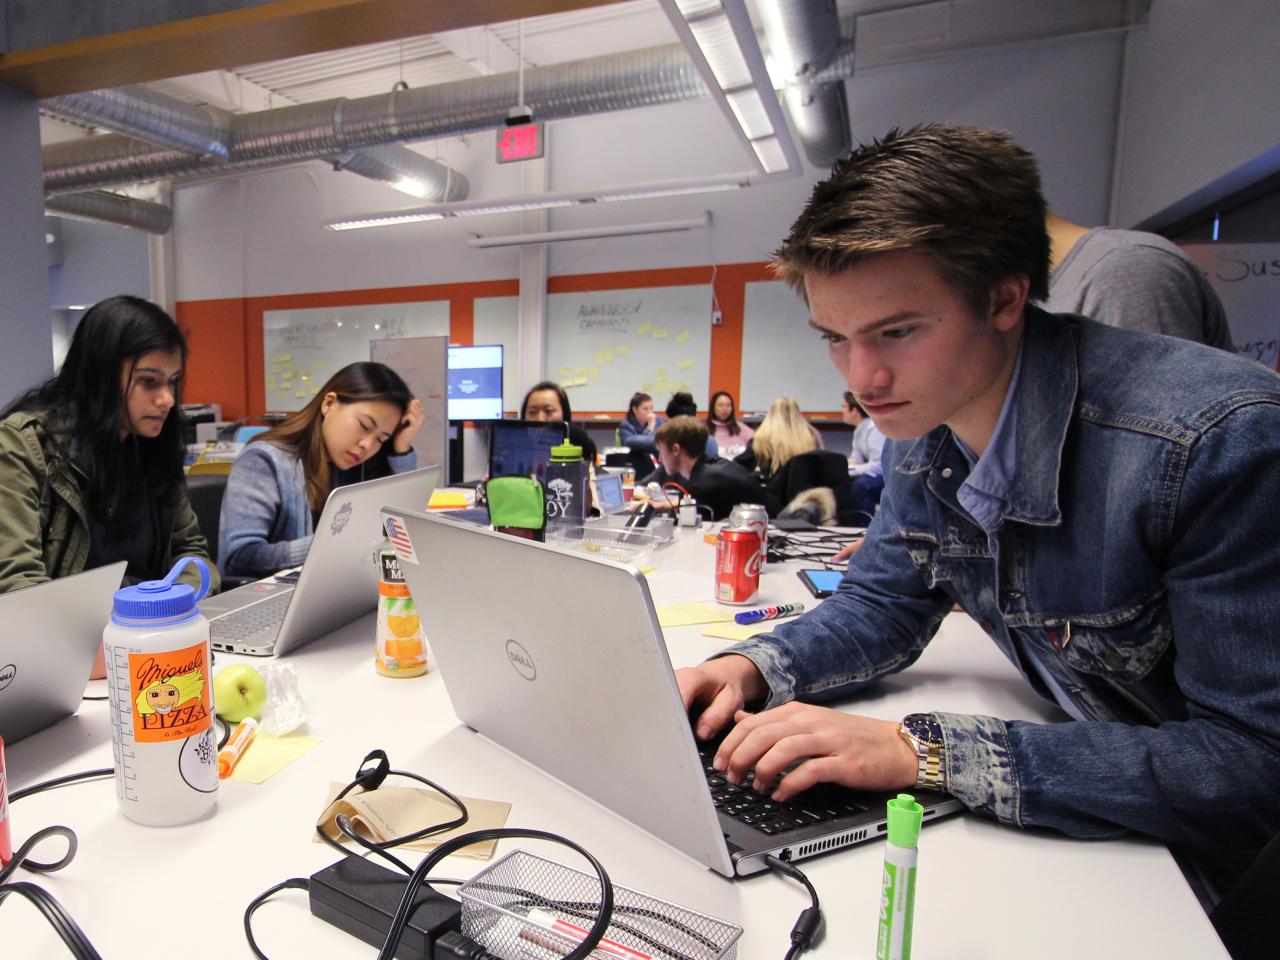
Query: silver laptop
<point x="608" y="493"/>
<point x="591" y="698"/>
<point x="337" y="583"/>
<point x="51" y="634"/>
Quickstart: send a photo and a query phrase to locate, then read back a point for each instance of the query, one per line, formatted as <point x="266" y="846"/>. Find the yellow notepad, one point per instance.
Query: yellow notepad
<point x="684" y="614"/>
<point x="448" y="500"/>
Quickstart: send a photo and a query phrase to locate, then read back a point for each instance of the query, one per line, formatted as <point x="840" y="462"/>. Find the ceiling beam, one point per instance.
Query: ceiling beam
<point x="272" y="31"/>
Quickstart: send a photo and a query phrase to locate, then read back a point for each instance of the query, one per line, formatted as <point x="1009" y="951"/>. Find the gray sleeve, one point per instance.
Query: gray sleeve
<point x="1145" y="288"/>
<point x="251" y="512"/>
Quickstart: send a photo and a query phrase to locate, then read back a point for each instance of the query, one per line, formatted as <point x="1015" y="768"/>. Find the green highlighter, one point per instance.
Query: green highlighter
<point x="898" y="887"/>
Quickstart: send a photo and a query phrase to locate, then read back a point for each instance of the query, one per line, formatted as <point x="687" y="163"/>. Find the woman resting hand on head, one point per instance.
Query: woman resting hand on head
<point x="359" y="426"/>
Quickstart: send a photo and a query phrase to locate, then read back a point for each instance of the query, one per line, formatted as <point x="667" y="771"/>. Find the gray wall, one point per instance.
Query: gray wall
<point x="99" y="260"/>
<point x="27" y="356"/>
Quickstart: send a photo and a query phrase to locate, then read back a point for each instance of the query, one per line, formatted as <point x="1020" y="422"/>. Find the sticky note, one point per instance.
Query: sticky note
<point x="659" y="333"/>
<point x="566" y="373"/>
<point x="593" y="374"/>
<point x="660" y="373"/>
<point x="286" y="360"/>
<point x="684" y="365"/>
<point x="623" y="350"/>
<point x="301" y="394"/>
<point x="644" y="328"/>
<point x="580" y="373"/>
<point x="684" y="614"/>
<point x="267" y="756"/>
<point x="683" y="336"/>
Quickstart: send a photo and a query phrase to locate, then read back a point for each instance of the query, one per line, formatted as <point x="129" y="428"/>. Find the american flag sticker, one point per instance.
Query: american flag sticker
<point x="399" y="538"/>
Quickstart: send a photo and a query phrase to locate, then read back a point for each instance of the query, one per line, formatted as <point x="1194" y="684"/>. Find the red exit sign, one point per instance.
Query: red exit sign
<point x="524" y="142"/>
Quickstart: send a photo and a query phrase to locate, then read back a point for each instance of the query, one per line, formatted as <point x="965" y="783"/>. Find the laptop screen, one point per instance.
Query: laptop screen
<point x="609" y="491"/>
<point x="522" y="447"/>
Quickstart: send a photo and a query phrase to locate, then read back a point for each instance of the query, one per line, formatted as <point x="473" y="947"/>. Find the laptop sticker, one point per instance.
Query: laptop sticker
<point x="399" y="538"/>
<point x="340" y="518"/>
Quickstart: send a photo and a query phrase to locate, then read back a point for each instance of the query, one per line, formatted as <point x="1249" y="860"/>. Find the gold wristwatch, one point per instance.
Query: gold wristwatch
<point x="924" y="733"/>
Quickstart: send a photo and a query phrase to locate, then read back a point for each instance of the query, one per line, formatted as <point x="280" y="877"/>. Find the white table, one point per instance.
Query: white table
<point x="984" y="891"/>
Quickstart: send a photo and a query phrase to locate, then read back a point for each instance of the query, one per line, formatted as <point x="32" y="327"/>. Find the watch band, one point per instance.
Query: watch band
<point x="924" y="733"/>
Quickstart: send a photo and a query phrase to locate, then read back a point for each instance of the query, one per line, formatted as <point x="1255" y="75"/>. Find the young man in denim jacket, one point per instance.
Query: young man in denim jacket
<point x="1105" y="503"/>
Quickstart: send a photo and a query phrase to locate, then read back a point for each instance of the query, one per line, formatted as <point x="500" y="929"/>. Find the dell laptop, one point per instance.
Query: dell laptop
<point x="52" y="632"/>
<point x="592" y="701"/>
<point x="337" y="583"/>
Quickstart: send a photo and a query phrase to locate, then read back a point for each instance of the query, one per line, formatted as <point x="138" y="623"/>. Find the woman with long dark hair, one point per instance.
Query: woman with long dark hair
<point x="547" y="402"/>
<point x="359" y="426"/>
<point x="91" y="460"/>
<point x="730" y="435"/>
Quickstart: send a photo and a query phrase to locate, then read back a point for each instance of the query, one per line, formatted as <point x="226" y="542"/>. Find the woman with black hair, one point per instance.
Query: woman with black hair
<point x="722" y="423"/>
<point x="547" y="401"/>
<point x="359" y="426"/>
<point x="91" y="460"/>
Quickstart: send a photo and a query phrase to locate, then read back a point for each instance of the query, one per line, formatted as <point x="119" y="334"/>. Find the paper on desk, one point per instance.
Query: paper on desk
<point x="267" y="756"/>
<point x="684" y="614"/>
<point x="390" y="812"/>
<point x="738" y="631"/>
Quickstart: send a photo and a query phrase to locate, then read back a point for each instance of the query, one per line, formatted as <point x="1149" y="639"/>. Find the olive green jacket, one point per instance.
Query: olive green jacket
<point x="44" y="526"/>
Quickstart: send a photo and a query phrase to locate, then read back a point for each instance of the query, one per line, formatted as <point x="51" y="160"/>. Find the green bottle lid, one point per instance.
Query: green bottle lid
<point x="905" y="818"/>
<point x="566" y="453"/>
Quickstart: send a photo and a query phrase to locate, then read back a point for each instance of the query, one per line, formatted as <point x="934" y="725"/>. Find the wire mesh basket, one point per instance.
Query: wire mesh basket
<point x="526" y="908"/>
<point x="610" y="539"/>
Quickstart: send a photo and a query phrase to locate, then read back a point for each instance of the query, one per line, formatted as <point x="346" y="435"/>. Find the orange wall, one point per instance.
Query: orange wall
<point x="226" y="364"/>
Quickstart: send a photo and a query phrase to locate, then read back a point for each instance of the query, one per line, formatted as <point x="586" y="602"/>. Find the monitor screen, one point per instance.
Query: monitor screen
<point x="522" y="447"/>
<point x="475" y="383"/>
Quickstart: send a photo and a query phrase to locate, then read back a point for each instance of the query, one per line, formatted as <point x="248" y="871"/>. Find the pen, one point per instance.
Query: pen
<point x="237" y="744"/>
<point x="898" y="882"/>
<point x="769" y="613"/>
<point x="569" y="931"/>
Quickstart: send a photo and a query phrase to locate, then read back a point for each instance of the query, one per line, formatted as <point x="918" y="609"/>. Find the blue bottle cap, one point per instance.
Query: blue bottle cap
<point x="162" y="599"/>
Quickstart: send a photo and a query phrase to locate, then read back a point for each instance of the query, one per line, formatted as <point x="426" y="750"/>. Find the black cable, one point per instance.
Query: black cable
<point x="61" y="921"/>
<point x="808" y="927"/>
<point x="95" y="698"/>
<point x="294" y="883"/>
<point x="61" y="782"/>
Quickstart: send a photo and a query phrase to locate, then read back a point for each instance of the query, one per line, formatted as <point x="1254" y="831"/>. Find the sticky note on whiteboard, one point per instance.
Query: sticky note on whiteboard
<point x="684" y="365"/>
<point x="683" y="336"/>
<point x="659" y="333"/>
<point x="623" y="350"/>
<point x="644" y="328"/>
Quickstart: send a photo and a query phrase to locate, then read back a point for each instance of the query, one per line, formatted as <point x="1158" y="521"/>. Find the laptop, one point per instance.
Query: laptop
<point x="591" y="699"/>
<point x="522" y="447"/>
<point x="52" y="632"/>
<point x="608" y="493"/>
<point x="337" y="583"/>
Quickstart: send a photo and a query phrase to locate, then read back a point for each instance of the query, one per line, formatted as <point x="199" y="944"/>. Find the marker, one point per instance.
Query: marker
<point x="769" y="613"/>
<point x="237" y="744"/>
<point x="898" y="883"/>
<point x="569" y="931"/>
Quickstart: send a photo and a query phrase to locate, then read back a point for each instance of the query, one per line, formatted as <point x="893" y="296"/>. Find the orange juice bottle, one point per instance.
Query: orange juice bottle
<point x="401" y="650"/>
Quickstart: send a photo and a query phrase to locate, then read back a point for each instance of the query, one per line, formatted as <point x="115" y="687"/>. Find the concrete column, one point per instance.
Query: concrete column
<point x="536" y="177"/>
<point x="25" y="328"/>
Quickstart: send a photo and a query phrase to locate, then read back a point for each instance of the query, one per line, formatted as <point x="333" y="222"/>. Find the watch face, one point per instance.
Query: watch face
<point x="924" y="727"/>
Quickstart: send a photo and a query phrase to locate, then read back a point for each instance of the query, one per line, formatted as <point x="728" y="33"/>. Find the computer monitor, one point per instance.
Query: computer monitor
<point x="475" y="383"/>
<point x="522" y="446"/>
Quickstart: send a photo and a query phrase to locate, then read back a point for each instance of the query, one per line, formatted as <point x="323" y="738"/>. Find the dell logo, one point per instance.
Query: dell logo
<point x="7" y="673"/>
<point x="521" y="660"/>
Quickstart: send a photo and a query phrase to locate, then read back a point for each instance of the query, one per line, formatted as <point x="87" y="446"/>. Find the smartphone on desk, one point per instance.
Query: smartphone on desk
<point x="289" y="576"/>
<point x="821" y="583"/>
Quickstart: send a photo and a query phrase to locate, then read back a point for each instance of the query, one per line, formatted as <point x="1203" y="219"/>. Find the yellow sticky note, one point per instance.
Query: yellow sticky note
<point x="659" y="333"/>
<point x="644" y="328"/>
<point x="736" y="632"/>
<point x="623" y="350"/>
<point x="593" y="373"/>
<point x="647" y="387"/>
<point x="271" y="383"/>
<point x="580" y="373"/>
<point x="684" y="614"/>
<point x="448" y="500"/>
<point x="321" y="364"/>
<point x="683" y="336"/>
<point x="566" y="373"/>
<point x="267" y="756"/>
<point x="684" y="365"/>
<point x="660" y="373"/>
<point x="301" y="394"/>
<point x="286" y="360"/>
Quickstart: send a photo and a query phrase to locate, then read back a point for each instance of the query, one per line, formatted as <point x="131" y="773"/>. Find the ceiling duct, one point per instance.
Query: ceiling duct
<point x="331" y="128"/>
<point x="804" y="41"/>
<point x="103" y="207"/>
<point x="157" y="125"/>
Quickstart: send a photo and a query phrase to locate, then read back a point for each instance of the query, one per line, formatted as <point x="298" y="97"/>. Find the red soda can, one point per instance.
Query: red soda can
<point x="737" y="565"/>
<point x="755" y="517"/>
<point x="6" y="846"/>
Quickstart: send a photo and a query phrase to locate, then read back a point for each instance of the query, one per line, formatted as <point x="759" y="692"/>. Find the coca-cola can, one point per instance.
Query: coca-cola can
<point x="737" y="565"/>
<point x="754" y="516"/>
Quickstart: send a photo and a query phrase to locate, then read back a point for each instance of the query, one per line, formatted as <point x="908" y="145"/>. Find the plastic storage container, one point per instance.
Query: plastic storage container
<point x="163" y="740"/>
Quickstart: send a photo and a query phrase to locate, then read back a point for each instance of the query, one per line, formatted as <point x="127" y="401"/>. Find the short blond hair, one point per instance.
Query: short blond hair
<point x="784" y="433"/>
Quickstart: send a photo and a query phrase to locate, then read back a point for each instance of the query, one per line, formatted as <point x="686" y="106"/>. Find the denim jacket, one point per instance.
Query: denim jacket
<point x="1139" y="560"/>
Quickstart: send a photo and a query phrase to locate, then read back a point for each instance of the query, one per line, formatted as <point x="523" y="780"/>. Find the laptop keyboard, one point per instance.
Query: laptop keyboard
<point x="818" y="805"/>
<point x="250" y="620"/>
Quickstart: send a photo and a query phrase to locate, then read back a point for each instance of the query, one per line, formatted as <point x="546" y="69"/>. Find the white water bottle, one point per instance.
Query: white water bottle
<point x="163" y="739"/>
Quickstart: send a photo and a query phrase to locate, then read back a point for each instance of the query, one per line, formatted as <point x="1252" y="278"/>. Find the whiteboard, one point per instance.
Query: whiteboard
<point x="422" y="363"/>
<point x="303" y="348"/>
<point x="782" y="356"/>
<point x="604" y="346"/>
<point x="497" y="320"/>
<point x="1247" y="280"/>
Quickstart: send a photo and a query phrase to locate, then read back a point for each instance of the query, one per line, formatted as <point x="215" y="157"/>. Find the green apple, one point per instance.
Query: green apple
<point x="238" y="692"/>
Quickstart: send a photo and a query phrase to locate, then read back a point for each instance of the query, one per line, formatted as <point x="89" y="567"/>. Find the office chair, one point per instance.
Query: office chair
<point x="246" y="433"/>
<point x="205" y="490"/>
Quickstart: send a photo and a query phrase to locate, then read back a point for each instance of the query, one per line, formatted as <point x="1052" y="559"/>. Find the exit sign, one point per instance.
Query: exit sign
<point x="523" y="142"/>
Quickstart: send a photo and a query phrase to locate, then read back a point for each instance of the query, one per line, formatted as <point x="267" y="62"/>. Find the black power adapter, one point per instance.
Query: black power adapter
<point x="361" y="898"/>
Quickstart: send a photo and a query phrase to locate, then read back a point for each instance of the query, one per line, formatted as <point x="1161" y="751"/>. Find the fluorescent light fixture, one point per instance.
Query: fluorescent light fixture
<point x="591" y="233"/>
<point x="722" y="44"/>
<point x="544" y="201"/>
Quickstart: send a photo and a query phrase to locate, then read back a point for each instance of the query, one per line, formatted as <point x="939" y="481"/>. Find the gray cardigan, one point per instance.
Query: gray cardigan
<point x="265" y="524"/>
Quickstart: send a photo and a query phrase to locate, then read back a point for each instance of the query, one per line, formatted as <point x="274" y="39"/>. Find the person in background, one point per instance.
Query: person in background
<point x="730" y="436"/>
<point x="636" y="432"/>
<point x="783" y="433"/>
<point x="682" y="404"/>
<point x="359" y="426"/>
<point x="717" y="484"/>
<point x="1131" y="279"/>
<point x="864" y="457"/>
<point x="547" y="402"/>
<point x="91" y="460"/>
<point x="1101" y="501"/>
